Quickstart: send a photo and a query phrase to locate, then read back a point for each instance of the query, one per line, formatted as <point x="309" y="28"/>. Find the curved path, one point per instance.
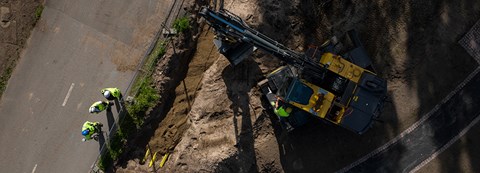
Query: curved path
<point x="434" y="132"/>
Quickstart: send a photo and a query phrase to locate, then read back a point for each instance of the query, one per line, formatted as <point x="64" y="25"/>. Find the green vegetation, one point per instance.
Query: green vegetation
<point x="105" y="161"/>
<point x="158" y="51"/>
<point x="38" y="12"/>
<point x="145" y="97"/>
<point x="5" y="76"/>
<point x="117" y="143"/>
<point x="182" y="24"/>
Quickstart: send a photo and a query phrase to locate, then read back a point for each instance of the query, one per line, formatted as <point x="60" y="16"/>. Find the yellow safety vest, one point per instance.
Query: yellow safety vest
<point x="90" y="126"/>
<point x="281" y="112"/>
<point x="114" y="91"/>
<point x="99" y="105"/>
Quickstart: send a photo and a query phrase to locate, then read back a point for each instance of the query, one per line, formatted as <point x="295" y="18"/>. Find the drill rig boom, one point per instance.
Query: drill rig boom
<point x="342" y="91"/>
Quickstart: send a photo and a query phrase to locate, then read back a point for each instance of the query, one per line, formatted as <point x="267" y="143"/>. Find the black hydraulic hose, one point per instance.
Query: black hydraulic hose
<point x="232" y="25"/>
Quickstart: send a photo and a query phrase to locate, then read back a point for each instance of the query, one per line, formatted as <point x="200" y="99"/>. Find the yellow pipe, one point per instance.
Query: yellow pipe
<point x="146" y="154"/>
<point x="164" y="159"/>
<point x="153" y="160"/>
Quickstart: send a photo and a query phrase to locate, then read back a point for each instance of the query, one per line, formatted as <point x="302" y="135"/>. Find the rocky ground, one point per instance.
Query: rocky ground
<point x="228" y="129"/>
<point x="17" y="19"/>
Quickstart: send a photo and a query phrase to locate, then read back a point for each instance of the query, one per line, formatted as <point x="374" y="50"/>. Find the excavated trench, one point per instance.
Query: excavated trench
<point x="177" y="77"/>
<point x="227" y="129"/>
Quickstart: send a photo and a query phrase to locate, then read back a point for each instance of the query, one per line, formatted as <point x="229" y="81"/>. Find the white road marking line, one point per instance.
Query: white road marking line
<point x="34" y="168"/>
<point x="79" y="105"/>
<point x="453" y="140"/>
<point x="68" y="94"/>
<point x="414" y="126"/>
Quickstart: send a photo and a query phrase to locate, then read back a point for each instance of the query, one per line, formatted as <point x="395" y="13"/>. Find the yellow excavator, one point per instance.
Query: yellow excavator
<point x="326" y="82"/>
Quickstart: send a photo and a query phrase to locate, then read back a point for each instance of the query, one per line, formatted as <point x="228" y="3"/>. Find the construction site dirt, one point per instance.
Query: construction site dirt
<point x="225" y="126"/>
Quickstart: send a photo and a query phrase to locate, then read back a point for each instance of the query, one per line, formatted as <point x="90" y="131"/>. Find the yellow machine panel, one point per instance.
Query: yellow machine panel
<point x="342" y="67"/>
<point x="319" y="103"/>
<point x="322" y="105"/>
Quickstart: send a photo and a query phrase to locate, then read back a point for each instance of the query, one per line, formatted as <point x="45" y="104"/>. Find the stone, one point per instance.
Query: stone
<point x="5" y="17"/>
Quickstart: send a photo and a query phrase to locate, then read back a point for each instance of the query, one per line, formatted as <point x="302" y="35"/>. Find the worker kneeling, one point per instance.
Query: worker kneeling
<point x="99" y="106"/>
<point x="111" y="93"/>
<point x="91" y="130"/>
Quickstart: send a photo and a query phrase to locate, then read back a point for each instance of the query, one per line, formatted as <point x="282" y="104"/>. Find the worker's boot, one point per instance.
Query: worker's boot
<point x="109" y="106"/>
<point x="98" y="127"/>
<point x="95" y="136"/>
<point x="288" y="127"/>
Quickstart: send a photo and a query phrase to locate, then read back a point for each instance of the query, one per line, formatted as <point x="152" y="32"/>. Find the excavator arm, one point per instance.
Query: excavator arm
<point x="233" y="32"/>
<point x="236" y="40"/>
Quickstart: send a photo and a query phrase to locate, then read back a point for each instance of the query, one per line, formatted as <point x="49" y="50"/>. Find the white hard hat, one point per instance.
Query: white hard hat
<point x="91" y="110"/>
<point x="106" y="94"/>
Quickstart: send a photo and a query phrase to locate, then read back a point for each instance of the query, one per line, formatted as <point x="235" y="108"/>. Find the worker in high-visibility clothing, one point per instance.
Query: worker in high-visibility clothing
<point x="111" y="93"/>
<point x="98" y="107"/>
<point x="282" y="111"/>
<point x="90" y="130"/>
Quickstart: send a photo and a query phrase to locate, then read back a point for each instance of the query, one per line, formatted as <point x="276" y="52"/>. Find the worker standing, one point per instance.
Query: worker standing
<point x="90" y="130"/>
<point x="99" y="106"/>
<point x="111" y="93"/>
<point x="283" y="112"/>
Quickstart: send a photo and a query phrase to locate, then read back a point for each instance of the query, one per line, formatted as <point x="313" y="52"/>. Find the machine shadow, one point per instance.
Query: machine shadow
<point x="239" y="81"/>
<point x="441" y="64"/>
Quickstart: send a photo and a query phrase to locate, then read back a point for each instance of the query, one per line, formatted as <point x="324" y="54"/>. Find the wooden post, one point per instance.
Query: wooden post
<point x="186" y="95"/>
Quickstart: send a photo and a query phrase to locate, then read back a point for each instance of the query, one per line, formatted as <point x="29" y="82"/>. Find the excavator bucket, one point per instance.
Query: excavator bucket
<point x="235" y="53"/>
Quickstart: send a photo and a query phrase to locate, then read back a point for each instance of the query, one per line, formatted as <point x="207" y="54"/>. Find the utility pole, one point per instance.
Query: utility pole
<point x="183" y="81"/>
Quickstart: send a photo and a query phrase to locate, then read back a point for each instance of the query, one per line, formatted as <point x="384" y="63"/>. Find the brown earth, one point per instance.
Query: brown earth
<point x="17" y="19"/>
<point x="229" y="129"/>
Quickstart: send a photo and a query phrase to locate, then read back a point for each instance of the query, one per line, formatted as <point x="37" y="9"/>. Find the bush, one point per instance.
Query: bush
<point x="38" y="12"/>
<point x="115" y="147"/>
<point x="146" y="98"/>
<point x="182" y="24"/>
<point x="105" y="161"/>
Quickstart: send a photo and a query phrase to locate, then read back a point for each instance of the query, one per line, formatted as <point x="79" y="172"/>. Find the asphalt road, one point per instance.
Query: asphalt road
<point x="77" y="48"/>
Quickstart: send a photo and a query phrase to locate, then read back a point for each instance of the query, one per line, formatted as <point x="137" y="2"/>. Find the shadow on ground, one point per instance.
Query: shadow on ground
<point x="239" y="80"/>
<point x="440" y="64"/>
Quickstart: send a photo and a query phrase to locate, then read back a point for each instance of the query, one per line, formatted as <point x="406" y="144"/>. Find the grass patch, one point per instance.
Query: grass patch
<point x="38" y="12"/>
<point x="158" y="51"/>
<point x="105" y="161"/>
<point x="5" y="76"/>
<point x="147" y="97"/>
<point x="182" y="24"/>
